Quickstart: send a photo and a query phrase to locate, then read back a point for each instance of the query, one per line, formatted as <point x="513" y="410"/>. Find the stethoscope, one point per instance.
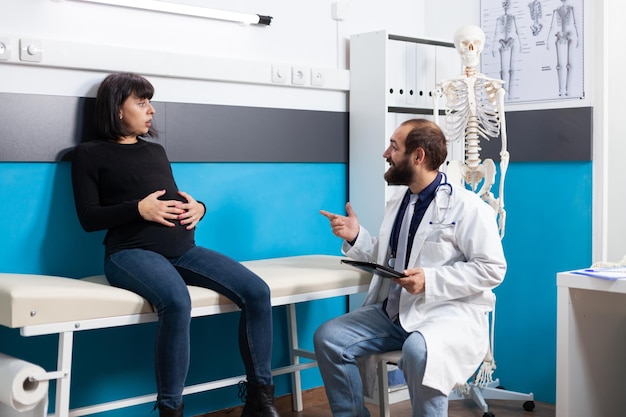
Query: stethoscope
<point x="444" y="186"/>
<point x="447" y="188"/>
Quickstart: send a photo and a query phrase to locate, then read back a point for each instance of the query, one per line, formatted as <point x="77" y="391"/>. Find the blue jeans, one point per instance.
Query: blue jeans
<point x="363" y="332"/>
<point x="163" y="282"/>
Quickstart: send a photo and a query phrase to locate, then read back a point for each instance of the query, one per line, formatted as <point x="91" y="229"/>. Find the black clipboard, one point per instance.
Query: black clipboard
<point x="374" y="268"/>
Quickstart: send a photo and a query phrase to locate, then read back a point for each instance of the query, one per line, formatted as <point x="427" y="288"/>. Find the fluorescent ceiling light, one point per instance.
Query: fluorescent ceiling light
<point x="175" y="8"/>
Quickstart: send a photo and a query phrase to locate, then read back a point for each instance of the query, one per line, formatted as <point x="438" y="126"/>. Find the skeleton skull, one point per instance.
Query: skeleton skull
<point x="469" y="41"/>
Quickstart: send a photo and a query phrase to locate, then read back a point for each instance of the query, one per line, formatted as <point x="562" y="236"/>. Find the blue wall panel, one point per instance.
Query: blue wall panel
<point x="258" y="210"/>
<point x="548" y="231"/>
<point x="253" y="211"/>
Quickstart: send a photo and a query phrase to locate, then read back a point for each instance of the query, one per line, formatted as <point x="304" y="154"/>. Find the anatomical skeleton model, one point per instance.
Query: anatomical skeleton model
<point x="475" y="109"/>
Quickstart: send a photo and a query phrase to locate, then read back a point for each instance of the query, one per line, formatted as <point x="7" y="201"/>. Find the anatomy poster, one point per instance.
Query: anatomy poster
<point x="535" y="47"/>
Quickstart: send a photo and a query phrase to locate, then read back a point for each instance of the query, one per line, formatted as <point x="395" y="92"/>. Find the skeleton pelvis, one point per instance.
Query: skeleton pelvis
<point x="461" y="174"/>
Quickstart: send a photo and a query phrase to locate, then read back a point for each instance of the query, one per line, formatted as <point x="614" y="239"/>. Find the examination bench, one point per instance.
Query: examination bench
<point x="42" y="305"/>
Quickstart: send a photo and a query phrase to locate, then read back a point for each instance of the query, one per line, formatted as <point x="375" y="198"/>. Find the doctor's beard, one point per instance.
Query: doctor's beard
<point x="400" y="173"/>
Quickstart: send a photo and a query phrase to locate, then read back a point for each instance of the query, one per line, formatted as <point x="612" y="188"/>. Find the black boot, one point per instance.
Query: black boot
<point x="168" y="412"/>
<point x="259" y="400"/>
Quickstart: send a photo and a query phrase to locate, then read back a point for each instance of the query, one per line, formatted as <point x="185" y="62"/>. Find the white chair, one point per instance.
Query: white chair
<point x="482" y="388"/>
<point x="383" y="396"/>
<point x="490" y="391"/>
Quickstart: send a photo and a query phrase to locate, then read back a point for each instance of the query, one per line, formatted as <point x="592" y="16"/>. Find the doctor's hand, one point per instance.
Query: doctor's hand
<point x="414" y="282"/>
<point x="345" y="227"/>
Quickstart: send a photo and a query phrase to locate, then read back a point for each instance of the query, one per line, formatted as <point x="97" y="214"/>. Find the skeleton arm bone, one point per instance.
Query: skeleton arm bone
<point x="500" y="93"/>
<point x="494" y="42"/>
<point x="438" y="94"/>
<point x="550" y="30"/>
<point x="504" y="160"/>
<point x="519" y="40"/>
<point x="575" y="29"/>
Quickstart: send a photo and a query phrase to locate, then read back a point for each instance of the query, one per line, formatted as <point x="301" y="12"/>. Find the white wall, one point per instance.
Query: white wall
<point x="301" y="34"/>
<point x="444" y="17"/>
<point x="610" y="133"/>
<point x="84" y="41"/>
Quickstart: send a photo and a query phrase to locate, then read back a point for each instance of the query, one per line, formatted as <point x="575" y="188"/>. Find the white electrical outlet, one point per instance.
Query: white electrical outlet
<point x="5" y="49"/>
<point x="280" y="73"/>
<point x="317" y="77"/>
<point x="299" y="75"/>
<point x="31" y="50"/>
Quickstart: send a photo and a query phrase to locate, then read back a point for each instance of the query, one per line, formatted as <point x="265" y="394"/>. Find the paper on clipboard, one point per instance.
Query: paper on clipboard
<point x="612" y="273"/>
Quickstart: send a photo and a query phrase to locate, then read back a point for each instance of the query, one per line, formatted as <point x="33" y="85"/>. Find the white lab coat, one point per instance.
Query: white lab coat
<point x="463" y="261"/>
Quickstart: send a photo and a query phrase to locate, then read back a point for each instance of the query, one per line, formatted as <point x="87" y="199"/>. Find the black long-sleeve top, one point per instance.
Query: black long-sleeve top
<point x="109" y="180"/>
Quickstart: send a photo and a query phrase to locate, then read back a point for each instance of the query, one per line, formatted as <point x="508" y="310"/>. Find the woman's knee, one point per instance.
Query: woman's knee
<point x="260" y="290"/>
<point x="255" y="297"/>
<point x="174" y="303"/>
<point x="243" y="283"/>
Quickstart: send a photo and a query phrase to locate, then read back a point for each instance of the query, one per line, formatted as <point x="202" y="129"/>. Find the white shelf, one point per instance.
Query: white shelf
<point x="392" y="79"/>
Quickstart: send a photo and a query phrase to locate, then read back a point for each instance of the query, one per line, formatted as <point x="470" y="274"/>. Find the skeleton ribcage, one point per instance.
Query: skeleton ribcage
<point x="482" y="106"/>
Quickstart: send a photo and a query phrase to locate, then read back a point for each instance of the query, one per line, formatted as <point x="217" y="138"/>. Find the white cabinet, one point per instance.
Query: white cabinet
<point x="392" y="79"/>
<point x="590" y="346"/>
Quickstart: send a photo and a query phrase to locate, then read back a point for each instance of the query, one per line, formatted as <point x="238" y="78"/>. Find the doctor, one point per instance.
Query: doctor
<point x="445" y="240"/>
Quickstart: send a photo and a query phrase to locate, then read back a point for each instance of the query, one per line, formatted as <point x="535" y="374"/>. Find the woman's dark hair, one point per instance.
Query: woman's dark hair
<point x="113" y="91"/>
<point x="428" y="136"/>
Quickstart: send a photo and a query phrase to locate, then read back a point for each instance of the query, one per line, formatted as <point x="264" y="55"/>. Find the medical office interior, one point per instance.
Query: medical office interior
<point x="274" y="151"/>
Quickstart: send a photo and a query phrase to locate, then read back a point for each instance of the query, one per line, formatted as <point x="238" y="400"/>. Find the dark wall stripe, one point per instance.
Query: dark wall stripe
<point x="39" y="127"/>
<point x="234" y="133"/>
<point x="45" y="128"/>
<point x="546" y="135"/>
